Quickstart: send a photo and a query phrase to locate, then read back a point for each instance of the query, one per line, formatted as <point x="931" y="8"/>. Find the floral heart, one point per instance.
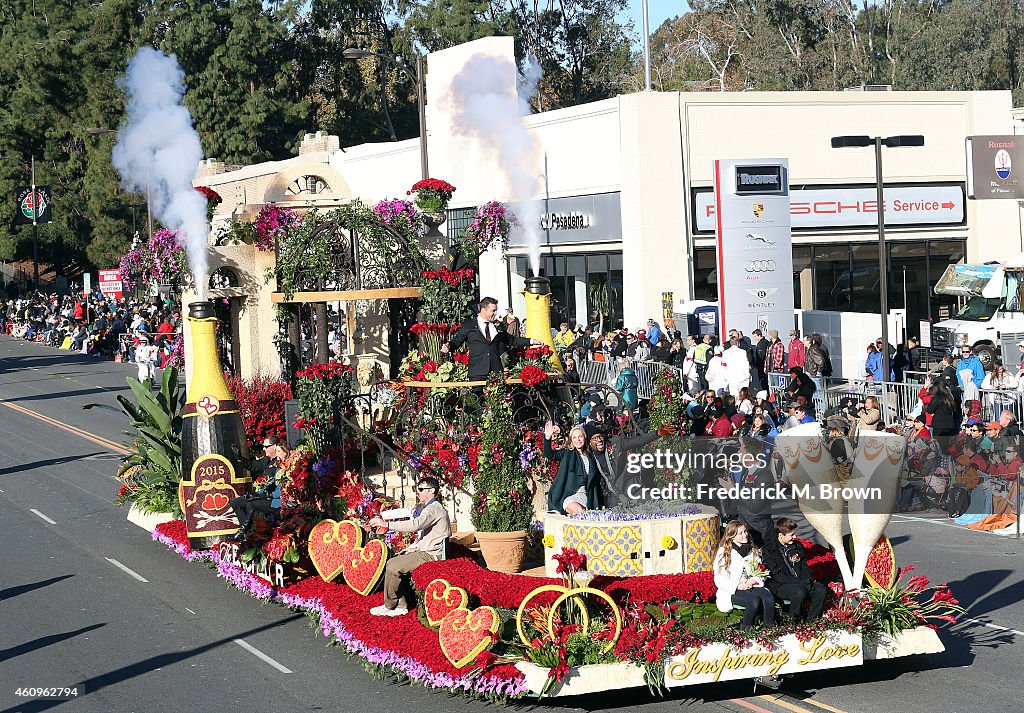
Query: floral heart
<point x="465" y="634"/>
<point x="214" y="502"/>
<point x="365" y="566"/>
<point x="332" y="545"/>
<point x="440" y="598"/>
<point x="208" y="406"/>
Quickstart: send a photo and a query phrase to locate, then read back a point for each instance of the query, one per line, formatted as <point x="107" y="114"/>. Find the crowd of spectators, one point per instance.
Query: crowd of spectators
<point x="147" y="331"/>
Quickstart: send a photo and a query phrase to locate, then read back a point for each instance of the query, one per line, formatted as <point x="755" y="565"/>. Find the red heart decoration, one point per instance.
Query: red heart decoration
<point x="214" y="502"/>
<point x="332" y="545"/>
<point x="366" y="566"/>
<point x="464" y="635"/>
<point x="208" y="405"/>
<point x="440" y="598"/>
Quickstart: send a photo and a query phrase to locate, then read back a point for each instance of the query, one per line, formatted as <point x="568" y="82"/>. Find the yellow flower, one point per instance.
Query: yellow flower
<point x="668" y="542"/>
<point x="549" y="540"/>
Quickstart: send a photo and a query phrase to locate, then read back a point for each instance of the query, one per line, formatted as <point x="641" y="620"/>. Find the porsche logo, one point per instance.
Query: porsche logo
<point x="758" y="210"/>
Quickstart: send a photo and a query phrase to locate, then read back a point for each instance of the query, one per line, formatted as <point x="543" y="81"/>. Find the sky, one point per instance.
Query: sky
<point x="658" y="12"/>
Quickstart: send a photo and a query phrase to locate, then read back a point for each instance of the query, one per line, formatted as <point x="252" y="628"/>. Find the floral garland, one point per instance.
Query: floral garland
<point x="397" y="213"/>
<point x="490" y="226"/>
<point x="273" y="224"/>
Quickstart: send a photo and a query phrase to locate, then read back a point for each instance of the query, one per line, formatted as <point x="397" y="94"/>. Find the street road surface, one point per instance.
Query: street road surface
<point x="89" y="601"/>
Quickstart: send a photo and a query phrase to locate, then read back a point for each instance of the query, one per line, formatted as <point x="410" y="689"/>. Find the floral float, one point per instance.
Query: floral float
<point x="669" y="628"/>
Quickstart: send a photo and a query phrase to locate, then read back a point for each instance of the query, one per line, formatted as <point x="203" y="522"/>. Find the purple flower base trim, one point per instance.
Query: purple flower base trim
<point x="331" y="626"/>
<point x="415" y="670"/>
<point x="182" y="549"/>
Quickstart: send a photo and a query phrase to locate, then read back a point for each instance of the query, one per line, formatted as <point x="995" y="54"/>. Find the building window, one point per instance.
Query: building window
<point x="458" y="220"/>
<point x="586" y="288"/>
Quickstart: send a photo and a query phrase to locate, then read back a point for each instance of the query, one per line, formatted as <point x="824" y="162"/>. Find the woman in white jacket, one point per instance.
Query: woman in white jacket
<point x="734" y="561"/>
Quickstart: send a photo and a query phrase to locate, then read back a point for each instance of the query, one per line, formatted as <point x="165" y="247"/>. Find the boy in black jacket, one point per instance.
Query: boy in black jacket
<point x="791" y="577"/>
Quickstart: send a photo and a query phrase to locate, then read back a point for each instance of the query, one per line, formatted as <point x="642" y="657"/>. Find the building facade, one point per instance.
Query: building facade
<point x="625" y="192"/>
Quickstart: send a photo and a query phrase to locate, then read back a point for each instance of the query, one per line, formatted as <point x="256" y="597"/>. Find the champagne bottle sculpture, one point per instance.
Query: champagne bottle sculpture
<point x="538" y="314"/>
<point x="214" y="454"/>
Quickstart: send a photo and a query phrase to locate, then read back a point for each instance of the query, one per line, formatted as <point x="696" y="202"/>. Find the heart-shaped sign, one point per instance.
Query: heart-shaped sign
<point x="214" y="502"/>
<point x="465" y="634"/>
<point x="440" y="598"/>
<point x="332" y="545"/>
<point x="208" y="406"/>
<point x="366" y="566"/>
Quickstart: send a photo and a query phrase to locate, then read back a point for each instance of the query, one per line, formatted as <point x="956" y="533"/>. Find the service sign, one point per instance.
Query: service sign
<point x="754" y="245"/>
<point x="827" y="208"/>
<point x="110" y="283"/>
<point x="994" y="166"/>
<point x="722" y="662"/>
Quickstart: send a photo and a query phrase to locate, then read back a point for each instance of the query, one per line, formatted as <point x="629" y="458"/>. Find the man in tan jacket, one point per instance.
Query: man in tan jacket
<point x="430" y="520"/>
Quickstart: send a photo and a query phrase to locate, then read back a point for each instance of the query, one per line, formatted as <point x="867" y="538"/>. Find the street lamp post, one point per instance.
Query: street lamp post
<point x="843" y="142"/>
<point x="35" y="222"/>
<point x="421" y="102"/>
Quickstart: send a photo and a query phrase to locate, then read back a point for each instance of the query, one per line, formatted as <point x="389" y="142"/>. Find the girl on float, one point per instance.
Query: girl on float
<point x="736" y="559"/>
<point x="577" y="487"/>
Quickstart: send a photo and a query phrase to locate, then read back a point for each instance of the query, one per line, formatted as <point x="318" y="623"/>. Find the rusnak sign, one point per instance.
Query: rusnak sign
<point x="754" y="245"/>
<point x="994" y="167"/>
<point x="760" y="180"/>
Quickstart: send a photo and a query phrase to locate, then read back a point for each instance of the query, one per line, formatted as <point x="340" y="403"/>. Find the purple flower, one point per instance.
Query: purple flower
<point x="324" y="466"/>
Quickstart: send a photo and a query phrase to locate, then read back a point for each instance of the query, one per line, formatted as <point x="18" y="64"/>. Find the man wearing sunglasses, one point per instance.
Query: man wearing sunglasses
<point x="430" y="520"/>
<point x="969" y="361"/>
<point x="266" y="496"/>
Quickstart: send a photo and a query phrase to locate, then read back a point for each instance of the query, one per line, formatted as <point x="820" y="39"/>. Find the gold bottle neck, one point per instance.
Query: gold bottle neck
<point x="207" y="377"/>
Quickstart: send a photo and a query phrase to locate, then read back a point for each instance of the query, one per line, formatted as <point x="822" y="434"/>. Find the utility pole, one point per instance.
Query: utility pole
<point x="35" y="227"/>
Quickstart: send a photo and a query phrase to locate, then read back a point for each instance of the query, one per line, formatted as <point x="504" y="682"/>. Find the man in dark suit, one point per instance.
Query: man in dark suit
<point x="486" y="343"/>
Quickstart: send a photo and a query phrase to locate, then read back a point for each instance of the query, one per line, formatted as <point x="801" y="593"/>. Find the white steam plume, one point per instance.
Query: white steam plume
<point x="486" y="109"/>
<point x="158" y="152"/>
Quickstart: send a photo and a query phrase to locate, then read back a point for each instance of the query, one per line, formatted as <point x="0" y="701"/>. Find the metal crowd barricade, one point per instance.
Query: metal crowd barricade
<point x="777" y="383"/>
<point x="898" y="401"/>
<point x="595" y="372"/>
<point x="994" y="402"/>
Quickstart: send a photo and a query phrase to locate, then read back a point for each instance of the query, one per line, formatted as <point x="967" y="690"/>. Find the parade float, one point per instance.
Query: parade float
<point x="620" y="598"/>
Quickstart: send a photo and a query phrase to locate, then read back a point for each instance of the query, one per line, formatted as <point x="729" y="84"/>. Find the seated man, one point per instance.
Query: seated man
<point x="265" y="497"/>
<point x="430" y="520"/>
<point x="791" y="577"/>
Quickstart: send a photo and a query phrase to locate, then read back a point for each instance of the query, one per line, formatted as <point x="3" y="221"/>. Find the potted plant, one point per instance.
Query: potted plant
<point x="432" y="196"/>
<point x="503" y="503"/>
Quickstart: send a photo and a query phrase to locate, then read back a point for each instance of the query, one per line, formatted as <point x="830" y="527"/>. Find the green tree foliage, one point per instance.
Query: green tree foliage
<point x="238" y="57"/>
<point x="725" y="45"/>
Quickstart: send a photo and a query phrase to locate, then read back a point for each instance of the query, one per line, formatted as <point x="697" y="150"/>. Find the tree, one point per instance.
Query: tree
<point x="238" y="59"/>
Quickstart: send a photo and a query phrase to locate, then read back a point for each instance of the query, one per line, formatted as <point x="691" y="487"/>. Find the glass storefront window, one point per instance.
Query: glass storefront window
<point x="586" y="288"/>
<point x="803" y="276"/>
<point x="705" y="275"/>
<point x="832" y="280"/>
<point x="864" y="282"/>
<point x="942" y="254"/>
<point x="909" y="287"/>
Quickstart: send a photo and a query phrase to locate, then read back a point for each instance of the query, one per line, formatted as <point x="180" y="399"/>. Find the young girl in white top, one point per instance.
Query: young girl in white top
<point x="734" y="561"/>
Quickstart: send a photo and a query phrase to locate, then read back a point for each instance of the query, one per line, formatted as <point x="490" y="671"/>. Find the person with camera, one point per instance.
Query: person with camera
<point x="265" y="497"/>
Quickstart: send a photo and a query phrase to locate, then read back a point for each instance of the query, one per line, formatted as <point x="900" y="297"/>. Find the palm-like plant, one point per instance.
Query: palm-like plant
<point x="153" y="467"/>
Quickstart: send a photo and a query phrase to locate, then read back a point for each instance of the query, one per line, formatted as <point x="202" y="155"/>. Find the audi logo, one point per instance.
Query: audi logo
<point x="760" y="266"/>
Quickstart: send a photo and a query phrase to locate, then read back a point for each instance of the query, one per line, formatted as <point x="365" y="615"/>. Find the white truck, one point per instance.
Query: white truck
<point x="993" y="308"/>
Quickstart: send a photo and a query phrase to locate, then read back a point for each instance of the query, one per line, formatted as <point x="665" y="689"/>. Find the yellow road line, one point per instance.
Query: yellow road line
<point x="782" y="702"/>
<point x="823" y="706"/>
<point x="99" y="440"/>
